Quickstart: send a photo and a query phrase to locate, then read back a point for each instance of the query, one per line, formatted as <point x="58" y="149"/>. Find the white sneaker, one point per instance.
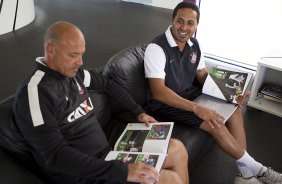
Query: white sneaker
<point x="270" y="176"/>
<point x="240" y="180"/>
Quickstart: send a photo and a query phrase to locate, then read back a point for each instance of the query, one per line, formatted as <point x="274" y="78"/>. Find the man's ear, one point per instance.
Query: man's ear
<point x="50" y="49"/>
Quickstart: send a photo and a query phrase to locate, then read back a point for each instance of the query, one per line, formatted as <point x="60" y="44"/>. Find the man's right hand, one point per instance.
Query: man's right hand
<point x="142" y="173"/>
<point x="208" y="115"/>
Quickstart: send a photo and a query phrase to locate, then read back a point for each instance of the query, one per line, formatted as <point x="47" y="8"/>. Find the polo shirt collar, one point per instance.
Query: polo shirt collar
<point x="171" y="40"/>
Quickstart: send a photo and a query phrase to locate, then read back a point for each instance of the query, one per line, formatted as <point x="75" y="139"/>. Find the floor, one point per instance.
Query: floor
<point x="110" y="26"/>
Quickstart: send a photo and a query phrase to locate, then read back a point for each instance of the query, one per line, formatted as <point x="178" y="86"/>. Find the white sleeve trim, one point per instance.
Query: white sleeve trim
<point x="33" y="99"/>
<point x="201" y="64"/>
<point x="154" y="61"/>
<point x="87" y="78"/>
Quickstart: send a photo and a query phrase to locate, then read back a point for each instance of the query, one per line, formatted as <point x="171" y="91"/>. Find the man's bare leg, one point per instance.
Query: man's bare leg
<point x="235" y="126"/>
<point x="225" y="140"/>
<point x="175" y="167"/>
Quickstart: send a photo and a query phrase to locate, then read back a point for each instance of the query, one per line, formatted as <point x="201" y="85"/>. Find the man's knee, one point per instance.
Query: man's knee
<point x="176" y="147"/>
<point x="215" y="131"/>
<point x="237" y="114"/>
<point x="236" y="120"/>
<point x="168" y="176"/>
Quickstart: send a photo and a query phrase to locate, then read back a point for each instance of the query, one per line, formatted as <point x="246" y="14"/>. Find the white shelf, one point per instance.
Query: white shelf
<point x="269" y="71"/>
<point x="274" y="63"/>
<point x="267" y="106"/>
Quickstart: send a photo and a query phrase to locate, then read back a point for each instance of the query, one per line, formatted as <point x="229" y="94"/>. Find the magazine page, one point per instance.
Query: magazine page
<point x="212" y="89"/>
<point x="154" y="159"/>
<point x="220" y="106"/>
<point x="138" y="138"/>
<point x="249" y="76"/>
<point x="230" y="83"/>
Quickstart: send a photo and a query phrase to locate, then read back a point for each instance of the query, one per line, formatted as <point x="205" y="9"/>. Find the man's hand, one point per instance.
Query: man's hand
<point x="142" y="173"/>
<point x="145" y="118"/>
<point x="208" y="115"/>
<point x="241" y="100"/>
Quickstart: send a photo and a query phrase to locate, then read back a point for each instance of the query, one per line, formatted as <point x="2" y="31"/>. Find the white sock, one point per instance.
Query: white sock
<point x="247" y="163"/>
<point x="244" y="170"/>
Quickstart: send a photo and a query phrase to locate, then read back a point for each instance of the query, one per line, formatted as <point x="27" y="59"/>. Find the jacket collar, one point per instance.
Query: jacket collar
<point x="43" y="67"/>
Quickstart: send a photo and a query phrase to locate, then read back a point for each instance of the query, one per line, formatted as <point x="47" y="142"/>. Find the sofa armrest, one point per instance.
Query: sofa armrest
<point x="13" y="172"/>
<point x="16" y="160"/>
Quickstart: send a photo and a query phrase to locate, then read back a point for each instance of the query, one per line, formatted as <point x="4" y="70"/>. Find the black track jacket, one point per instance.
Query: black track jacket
<point x="55" y="115"/>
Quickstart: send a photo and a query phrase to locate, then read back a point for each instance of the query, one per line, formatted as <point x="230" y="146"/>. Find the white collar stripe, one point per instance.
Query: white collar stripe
<point x="170" y="38"/>
<point x="87" y="78"/>
<point x="33" y="98"/>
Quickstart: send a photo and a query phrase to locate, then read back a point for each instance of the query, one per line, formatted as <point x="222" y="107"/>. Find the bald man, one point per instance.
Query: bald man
<point x="54" y="112"/>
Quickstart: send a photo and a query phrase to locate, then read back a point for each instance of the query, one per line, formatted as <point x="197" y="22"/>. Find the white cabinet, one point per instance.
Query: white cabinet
<point x="269" y="71"/>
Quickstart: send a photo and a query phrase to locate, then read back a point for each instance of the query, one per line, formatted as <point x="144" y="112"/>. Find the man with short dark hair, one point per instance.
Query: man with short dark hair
<point x="173" y="61"/>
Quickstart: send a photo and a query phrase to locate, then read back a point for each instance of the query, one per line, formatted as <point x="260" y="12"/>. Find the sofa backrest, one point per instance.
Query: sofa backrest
<point x="127" y="69"/>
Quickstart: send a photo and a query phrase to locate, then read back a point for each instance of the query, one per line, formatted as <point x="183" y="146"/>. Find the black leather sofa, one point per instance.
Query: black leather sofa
<point x="126" y="68"/>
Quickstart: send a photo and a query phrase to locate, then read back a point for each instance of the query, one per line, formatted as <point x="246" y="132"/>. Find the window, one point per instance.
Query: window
<point x="241" y="31"/>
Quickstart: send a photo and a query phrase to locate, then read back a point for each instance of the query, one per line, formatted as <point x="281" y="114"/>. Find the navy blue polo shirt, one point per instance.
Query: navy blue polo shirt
<point x="163" y="59"/>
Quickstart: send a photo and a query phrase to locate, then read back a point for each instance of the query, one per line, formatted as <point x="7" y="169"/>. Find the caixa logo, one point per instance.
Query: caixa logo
<point x="82" y="110"/>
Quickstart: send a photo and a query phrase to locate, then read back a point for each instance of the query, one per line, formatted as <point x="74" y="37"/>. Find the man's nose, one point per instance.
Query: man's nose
<point x="79" y="61"/>
<point x="184" y="26"/>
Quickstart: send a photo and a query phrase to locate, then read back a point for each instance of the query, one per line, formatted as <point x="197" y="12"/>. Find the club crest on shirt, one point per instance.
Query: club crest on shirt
<point x="193" y="57"/>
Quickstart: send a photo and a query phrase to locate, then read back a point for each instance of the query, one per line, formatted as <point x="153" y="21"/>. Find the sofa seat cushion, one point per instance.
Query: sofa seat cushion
<point x="196" y="142"/>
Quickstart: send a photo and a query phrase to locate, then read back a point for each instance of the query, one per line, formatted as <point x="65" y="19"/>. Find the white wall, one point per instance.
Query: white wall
<point x="7" y="16"/>
<point x="147" y="2"/>
<point x="25" y="14"/>
<point x="240" y="30"/>
<point x="169" y="4"/>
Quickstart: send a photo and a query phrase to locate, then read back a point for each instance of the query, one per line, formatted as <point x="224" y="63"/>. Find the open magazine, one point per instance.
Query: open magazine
<point x="221" y="88"/>
<point x="226" y="84"/>
<point x="139" y="143"/>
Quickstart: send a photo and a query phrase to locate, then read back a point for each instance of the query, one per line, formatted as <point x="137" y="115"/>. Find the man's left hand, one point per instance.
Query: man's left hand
<point x="145" y="118"/>
<point x="241" y="100"/>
